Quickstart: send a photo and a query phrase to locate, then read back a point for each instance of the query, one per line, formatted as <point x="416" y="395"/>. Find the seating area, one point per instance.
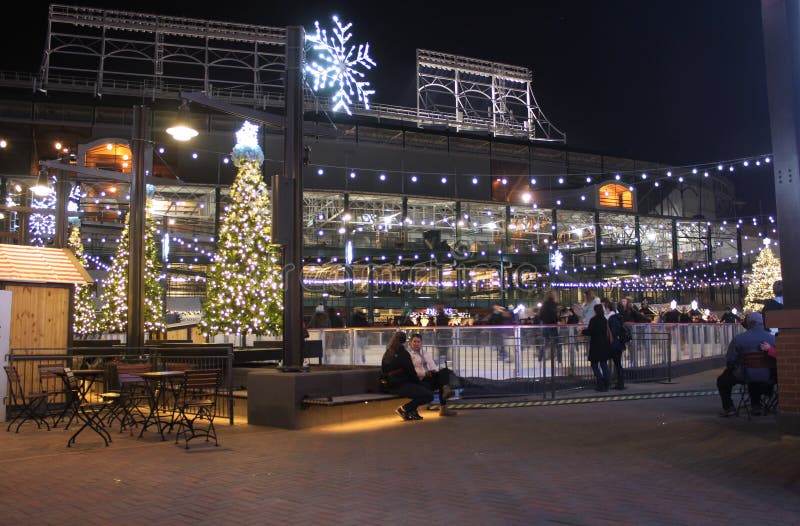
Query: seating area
<point x="181" y="397"/>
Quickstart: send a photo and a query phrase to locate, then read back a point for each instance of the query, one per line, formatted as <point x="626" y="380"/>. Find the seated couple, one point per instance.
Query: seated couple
<point x="413" y="374"/>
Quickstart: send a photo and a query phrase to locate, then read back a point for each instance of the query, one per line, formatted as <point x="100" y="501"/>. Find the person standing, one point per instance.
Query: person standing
<point x="599" y="347"/>
<point x="589" y="302"/>
<point x="398" y="368"/>
<point x="729" y="316"/>
<point x="500" y="336"/>
<point x="320" y="320"/>
<point x="433" y="377"/>
<point x="548" y="314"/>
<point x="335" y="321"/>
<point x="630" y="314"/>
<point x="619" y="333"/>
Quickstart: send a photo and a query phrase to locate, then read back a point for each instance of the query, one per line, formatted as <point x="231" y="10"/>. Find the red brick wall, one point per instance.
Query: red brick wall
<point x="788" y="344"/>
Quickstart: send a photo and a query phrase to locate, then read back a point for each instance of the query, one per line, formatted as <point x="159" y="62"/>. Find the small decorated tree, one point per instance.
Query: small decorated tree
<point x="766" y="271"/>
<point x="244" y="292"/>
<point x="85" y="320"/>
<point x="114" y="296"/>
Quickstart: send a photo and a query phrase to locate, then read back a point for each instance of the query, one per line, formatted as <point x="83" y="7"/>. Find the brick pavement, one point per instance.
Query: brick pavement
<point x="660" y="461"/>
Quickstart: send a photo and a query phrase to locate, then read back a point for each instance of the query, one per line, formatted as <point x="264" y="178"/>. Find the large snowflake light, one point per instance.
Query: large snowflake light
<point x="340" y="66"/>
<point x="556" y="260"/>
<point x="42" y="226"/>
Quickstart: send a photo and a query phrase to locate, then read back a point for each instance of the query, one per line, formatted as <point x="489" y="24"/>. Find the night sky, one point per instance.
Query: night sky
<point x="675" y="81"/>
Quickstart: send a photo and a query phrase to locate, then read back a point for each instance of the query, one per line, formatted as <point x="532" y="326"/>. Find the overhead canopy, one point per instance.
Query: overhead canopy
<point x="40" y="265"/>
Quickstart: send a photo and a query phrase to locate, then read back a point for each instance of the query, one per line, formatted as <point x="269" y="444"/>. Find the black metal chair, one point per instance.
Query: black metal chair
<point x="769" y="396"/>
<point x="50" y="382"/>
<point x="196" y="404"/>
<point x="31" y="405"/>
<point x="90" y="413"/>
<point x="129" y="398"/>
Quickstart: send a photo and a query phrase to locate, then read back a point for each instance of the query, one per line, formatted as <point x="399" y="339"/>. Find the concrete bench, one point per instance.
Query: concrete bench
<point x="329" y="395"/>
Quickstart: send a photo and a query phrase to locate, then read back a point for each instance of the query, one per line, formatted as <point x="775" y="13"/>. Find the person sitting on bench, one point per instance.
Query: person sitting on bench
<point x="432" y="376"/>
<point x="398" y="368"/>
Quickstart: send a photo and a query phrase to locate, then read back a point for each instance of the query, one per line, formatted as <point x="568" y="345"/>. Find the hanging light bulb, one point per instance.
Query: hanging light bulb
<point x="42" y="186"/>
<point x="182" y="130"/>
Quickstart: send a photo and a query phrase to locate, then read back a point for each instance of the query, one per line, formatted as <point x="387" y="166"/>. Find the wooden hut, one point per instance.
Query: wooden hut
<point x="41" y="281"/>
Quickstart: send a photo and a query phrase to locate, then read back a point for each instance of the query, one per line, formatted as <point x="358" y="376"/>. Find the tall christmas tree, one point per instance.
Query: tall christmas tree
<point x="85" y="319"/>
<point x="244" y="283"/>
<point x="766" y="271"/>
<point x="114" y="297"/>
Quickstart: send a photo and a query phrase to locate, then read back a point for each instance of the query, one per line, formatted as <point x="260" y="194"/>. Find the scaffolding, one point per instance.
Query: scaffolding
<point x="117" y="52"/>
<point x="479" y="95"/>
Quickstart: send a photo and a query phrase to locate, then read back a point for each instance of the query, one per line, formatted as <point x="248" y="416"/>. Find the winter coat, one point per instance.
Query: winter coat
<point x="599" y="343"/>
<point x="615" y="323"/>
<point x="549" y="313"/>
<point x="399" y="369"/>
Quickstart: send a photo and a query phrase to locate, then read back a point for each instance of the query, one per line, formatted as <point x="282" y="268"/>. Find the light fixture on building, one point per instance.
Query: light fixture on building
<point x="183" y="131"/>
<point x="42" y="186"/>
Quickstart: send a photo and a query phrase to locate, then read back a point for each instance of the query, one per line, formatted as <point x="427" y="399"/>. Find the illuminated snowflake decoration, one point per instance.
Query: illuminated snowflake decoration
<point x="556" y="260"/>
<point x="340" y="66"/>
<point x="42" y="227"/>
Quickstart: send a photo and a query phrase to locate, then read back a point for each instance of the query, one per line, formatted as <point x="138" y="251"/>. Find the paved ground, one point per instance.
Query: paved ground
<point x="655" y="461"/>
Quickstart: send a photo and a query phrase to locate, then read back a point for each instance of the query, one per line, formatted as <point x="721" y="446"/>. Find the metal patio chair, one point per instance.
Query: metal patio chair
<point x="196" y="405"/>
<point x="31" y="405"/>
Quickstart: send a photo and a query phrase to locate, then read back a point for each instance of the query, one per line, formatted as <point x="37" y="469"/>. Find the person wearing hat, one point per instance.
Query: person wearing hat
<point x="320" y="319"/>
<point x="757" y="379"/>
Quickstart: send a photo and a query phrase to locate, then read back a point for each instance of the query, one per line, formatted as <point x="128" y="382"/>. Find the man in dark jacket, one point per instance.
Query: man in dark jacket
<point x="548" y="315"/>
<point x="775" y="303"/>
<point x="734" y="373"/>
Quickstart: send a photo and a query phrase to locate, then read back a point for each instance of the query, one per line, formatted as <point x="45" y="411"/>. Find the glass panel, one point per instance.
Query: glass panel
<point x="430" y="224"/>
<point x="576" y="231"/>
<point x="656" y="235"/>
<point x="484" y="226"/>
<point x="322" y="219"/>
<point x="691" y="242"/>
<point x="618" y="239"/>
<point x="376" y="221"/>
<point x="723" y="240"/>
<point x="530" y="229"/>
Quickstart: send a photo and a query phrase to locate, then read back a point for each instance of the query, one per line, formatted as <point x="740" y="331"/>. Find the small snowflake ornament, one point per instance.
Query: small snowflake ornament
<point x="340" y="66"/>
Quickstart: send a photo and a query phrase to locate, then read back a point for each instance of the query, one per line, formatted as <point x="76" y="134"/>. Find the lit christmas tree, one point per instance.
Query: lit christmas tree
<point x="244" y="282"/>
<point x="85" y="320"/>
<point x="766" y="271"/>
<point x="114" y="297"/>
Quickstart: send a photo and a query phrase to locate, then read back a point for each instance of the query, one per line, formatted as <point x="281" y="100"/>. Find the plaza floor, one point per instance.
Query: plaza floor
<point x="646" y="461"/>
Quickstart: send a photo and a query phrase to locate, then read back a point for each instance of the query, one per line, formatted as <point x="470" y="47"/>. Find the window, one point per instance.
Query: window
<point x="615" y="196"/>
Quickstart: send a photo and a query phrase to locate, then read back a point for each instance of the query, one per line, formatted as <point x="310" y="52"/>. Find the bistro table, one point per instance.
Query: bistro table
<point x="87" y="378"/>
<point x="159" y="385"/>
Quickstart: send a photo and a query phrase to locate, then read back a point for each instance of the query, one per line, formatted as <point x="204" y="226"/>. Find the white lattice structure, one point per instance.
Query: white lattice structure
<point x="116" y="52"/>
<point x="479" y="95"/>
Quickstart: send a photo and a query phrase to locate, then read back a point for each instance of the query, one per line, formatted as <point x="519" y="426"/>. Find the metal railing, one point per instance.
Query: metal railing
<point x="29" y="360"/>
<point x="535" y="359"/>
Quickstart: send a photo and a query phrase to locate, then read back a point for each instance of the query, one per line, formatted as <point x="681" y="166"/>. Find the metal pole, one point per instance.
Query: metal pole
<point x="293" y="171"/>
<point x="136" y="231"/>
<point x="62" y="195"/>
<point x="781" y="26"/>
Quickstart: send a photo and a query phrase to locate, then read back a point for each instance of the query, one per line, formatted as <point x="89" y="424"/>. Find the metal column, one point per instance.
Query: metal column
<point x="136" y="230"/>
<point x="293" y="171"/>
